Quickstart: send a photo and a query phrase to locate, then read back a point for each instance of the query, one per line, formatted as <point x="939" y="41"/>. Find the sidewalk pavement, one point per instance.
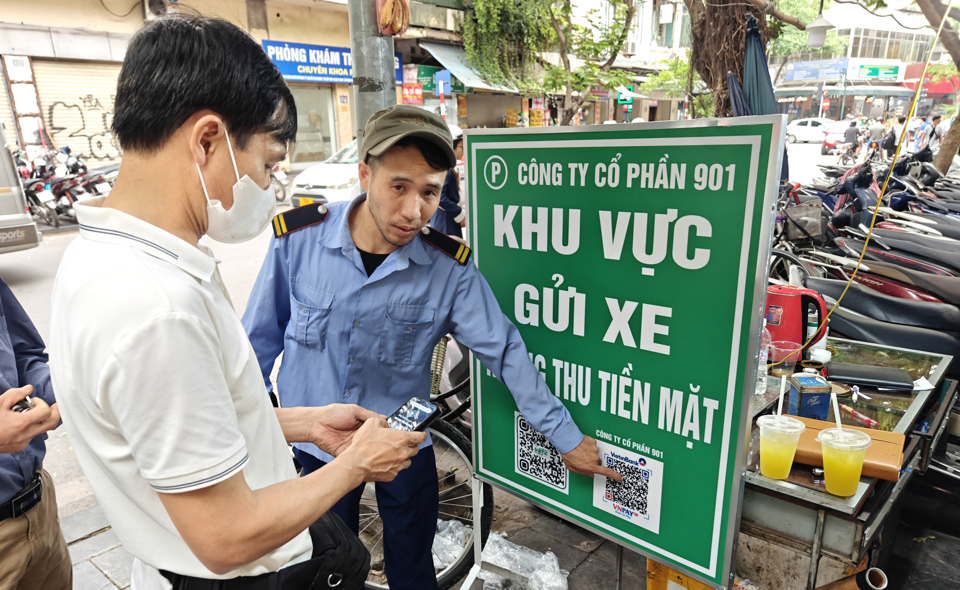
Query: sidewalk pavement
<point x="101" y="563"/>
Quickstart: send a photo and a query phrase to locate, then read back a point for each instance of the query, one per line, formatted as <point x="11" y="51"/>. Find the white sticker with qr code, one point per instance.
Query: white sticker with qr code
<point x="637" y="498"/>
<point x="537" y="459"/>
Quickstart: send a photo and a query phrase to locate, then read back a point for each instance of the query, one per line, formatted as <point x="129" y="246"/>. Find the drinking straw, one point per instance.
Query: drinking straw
<point x="783" y="387"/>
<point x="836" y="409"/>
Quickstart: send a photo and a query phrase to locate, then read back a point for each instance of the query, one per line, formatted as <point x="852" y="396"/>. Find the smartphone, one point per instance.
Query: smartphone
<point x="414" y="416"/>
<point x="23" y="405"/>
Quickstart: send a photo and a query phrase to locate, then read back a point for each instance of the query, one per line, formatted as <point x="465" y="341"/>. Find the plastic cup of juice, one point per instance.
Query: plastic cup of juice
<point x="843" y="452"/>
<point x="779" y="436"/>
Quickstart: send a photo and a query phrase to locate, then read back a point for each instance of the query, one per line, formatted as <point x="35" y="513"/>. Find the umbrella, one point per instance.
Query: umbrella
<point x="756" y="77"/>
<point x="756" y="95"/>
<point x="738" y="102"/>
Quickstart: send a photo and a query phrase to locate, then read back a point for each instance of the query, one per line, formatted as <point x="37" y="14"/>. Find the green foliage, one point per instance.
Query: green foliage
<point x="504" y="39"/>
<point x="786" y="40"/>
<point x="942" y="72"/>
<point x="673" y="79"/>
<point x="593" y="43"/>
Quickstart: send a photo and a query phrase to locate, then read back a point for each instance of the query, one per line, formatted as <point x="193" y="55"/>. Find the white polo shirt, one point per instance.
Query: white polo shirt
<point x="158" y="387"/>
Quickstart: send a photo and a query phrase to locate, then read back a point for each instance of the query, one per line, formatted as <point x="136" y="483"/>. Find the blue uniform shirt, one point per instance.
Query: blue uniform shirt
<point x="349" y="338"/>
<point x="22" y="362"/>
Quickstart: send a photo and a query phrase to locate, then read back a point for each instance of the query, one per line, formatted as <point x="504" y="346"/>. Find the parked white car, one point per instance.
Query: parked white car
<point x="807" y="130"/>
<point x="335" y="179"/>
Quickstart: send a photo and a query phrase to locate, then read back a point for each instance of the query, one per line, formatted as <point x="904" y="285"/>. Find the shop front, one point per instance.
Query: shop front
<point x="483" y="104"/>
<point x="421" y="90"/>
<point x="320" y="78"/>
<point x="72" y="101"/>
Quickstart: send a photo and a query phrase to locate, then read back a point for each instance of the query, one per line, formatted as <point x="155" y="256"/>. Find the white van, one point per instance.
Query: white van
<point x="17" y="229"/>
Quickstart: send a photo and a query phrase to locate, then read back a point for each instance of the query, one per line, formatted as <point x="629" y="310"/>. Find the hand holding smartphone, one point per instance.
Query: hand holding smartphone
<point x="414" y="416"/>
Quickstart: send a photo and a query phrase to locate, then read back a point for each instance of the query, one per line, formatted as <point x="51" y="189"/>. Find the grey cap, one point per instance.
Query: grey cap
<point x="386" y="127"/>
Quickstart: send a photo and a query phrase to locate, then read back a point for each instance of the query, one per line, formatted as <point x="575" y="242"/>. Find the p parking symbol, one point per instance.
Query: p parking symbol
<point x="495" y="172"/>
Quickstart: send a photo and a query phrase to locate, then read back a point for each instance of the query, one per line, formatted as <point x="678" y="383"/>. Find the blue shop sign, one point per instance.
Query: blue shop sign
<point x="299" y="62"/>
<point x="815" y="71"/>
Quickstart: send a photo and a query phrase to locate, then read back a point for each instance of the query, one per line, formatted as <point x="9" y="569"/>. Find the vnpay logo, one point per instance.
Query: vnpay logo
<point x="13" y="235"/>
<point x="624" y="512"/>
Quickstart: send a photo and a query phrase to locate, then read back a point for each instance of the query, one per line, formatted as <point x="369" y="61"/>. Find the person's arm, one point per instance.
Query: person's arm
<point x="268" y="309"/>
<point x="193" y="453"/>
<point x="330" y="427"/>
<point x="450" y="197"/>
<point x="207" y="518"/>
<point x="28" y="347"/>
<point x="478" y="323"/>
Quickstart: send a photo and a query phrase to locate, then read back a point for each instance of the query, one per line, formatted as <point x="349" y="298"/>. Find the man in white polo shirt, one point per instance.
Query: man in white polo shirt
<point x="157" y="382"/>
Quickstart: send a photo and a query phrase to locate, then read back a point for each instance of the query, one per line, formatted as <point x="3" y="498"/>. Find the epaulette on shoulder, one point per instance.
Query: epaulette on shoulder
<point x="446" y="244"/>
<point x="299" y="218"/>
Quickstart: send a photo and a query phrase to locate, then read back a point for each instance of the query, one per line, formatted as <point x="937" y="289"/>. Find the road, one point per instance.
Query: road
<point x="804" y="158"/>
<point x="30" y="275"/>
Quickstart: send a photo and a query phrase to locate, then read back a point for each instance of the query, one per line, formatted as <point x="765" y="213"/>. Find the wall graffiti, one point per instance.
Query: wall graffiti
<point x="85" y="127"/>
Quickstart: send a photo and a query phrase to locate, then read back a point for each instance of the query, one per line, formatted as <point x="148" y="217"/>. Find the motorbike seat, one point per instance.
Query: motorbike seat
<point x="908" y="312"/>
<point x="858" y="327"/>
<point x="927" y="241"/>
<point x="942" y="254"/>
<point x="57" y="179"/>
<point x="946" y="288"/>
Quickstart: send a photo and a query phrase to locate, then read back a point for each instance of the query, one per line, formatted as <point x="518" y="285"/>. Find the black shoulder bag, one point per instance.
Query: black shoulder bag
<point x="339" y="561"/>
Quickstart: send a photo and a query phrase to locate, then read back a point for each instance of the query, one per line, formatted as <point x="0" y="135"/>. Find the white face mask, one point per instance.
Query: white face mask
<point x="253" y="208"/>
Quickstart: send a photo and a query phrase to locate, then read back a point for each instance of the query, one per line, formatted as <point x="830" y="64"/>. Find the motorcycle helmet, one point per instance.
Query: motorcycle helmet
<point x="455" y="131"/>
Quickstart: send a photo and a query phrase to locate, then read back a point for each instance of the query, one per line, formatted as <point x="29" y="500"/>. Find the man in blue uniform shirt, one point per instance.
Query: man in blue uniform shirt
<point x="32" y="548"/>
<point x="450" y="217"/>
<point x="357" y="295"/>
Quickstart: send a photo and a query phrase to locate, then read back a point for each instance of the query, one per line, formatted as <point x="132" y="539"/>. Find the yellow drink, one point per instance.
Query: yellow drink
<point x="841" y="469"/>
<point x="776" y="456"/>
<point x="843" y="453"/>
<point x="779" y="436"/>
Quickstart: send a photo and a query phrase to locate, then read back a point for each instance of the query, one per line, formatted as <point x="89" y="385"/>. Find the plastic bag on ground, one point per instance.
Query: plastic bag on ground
<point x="452" y="536"/>
<point x="534" y="570"/>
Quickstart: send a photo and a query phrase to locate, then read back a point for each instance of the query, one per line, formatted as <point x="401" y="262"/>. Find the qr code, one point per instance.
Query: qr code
<point x="537" y="458"/>
<point x="632" y="491"/>
<point x="636" y="499"/>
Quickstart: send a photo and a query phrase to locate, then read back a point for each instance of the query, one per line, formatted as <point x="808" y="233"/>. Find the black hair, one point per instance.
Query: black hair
<point x="935" y="117"/>
<point x="853" y="123"/>
<point x="457" y="142"/>
<point x="180" y="64"/>
<point x="436" y="158"/>
<point x="901" y="119"/>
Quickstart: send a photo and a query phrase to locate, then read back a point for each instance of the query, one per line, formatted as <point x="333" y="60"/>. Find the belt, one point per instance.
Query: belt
<point x="25" y="499"/>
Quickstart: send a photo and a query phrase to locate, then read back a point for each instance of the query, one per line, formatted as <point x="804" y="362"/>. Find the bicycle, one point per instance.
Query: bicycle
<point x="455" y="473"/>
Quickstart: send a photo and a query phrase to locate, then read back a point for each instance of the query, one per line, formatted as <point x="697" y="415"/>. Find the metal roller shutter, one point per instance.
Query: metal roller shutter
<point x="6" y="116"/>
<point x="77" y="103"/>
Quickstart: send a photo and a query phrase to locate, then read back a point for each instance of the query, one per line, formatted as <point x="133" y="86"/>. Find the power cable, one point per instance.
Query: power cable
<point x="132" y="8"/>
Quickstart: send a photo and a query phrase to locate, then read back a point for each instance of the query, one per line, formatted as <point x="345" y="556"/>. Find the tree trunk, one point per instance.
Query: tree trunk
<point x="719" y="30"/>
<point x="934" y="10"/>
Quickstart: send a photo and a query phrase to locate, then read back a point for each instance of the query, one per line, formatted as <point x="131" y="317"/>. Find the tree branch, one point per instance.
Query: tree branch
<point x="622" y="38"/>
<point x="562" y="39"/>
<point x="771" y="9"/>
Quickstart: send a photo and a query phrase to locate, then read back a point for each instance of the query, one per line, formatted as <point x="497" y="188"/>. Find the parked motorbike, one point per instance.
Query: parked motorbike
<point x="278" y="179"/>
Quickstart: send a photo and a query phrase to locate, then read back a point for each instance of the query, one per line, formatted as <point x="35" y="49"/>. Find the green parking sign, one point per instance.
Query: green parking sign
<point x="633" y="262"/>
<point x="625" y="98"/>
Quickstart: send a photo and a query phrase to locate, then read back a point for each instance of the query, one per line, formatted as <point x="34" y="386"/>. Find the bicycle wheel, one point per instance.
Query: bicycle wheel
<point x="454" y="458"/>
<point x="280" y="190"/>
